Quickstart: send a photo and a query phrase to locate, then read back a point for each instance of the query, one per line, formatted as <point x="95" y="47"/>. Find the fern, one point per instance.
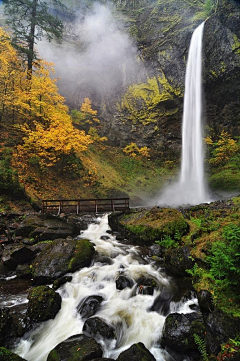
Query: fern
<point x="201" y="346"/>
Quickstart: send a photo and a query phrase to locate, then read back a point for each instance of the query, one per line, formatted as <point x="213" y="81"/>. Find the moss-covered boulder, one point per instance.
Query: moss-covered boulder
<point x="59" y="257"/>
<point x="46" y="227"/>
<point x="179" y="330"/>
<point x="144" y="226"/>
<point x="137" y="352"/>
<point x="6" y="355"/>
<point x="76" y="348"/>
<point x="220" y="327"/>
<point x="44" y="304"/>
<point x="178" y="261"/>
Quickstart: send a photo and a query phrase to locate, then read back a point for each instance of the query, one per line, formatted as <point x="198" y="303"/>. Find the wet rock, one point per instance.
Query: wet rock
<point x="103" y="359"/>
<point x="205" y="301"/>
<point x="97" y="327"/>
<point x="137" y="352"/>
<point x="5" y="321"/>
<point x="16" y="254"/>
<point x="143" y="226"/>
<point x="104" y="238"/>
<point x="18" y="324"/>
<point x="61" y="281"/>
<point x="220" y="327"/>
<point x="28" y="225"/>
<point x="177" y="261"/>
<point x="179" y="330"/>
<point x="155" y="250"/>
<point x="104" y="260"/>
<point x="24" y="271"/>
<point x="77" y="347"/>
<point x="161" y="303"/>
<point x="7" y="355"/>
<point x="44" y="303"/>
<point x="60" y="257"/>
<point x="123" y="281"/>
<point x="146" y="286"/>
<point x="46" y="228"/>
<point x="89" y="306"/>
<point x="4" y="271"/>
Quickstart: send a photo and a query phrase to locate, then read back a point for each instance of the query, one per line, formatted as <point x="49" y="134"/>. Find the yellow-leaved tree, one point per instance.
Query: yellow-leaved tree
<point x="38" y="111"/>
<point x="12" y="81"/>
<point x="223" y="149"/>
<point x="49" y="135"/>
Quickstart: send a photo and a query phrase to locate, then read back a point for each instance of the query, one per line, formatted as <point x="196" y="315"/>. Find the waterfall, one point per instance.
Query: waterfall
<point x="127" y="310"/>
<point x="191" y="187"/>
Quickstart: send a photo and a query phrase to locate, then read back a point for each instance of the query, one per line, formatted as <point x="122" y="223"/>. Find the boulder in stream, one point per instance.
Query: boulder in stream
<point x="177" y="261"/>
<point x="89" y="306"/>
<point x="44" y="304"/>
<point x="76" y="348"/>
<point x="60" y="257"/>
<point x="97" y="327"/>
<point x="137" y="352"/>
<point x="179" y="330"/>
<point x="123" y="281"/>
<point x="6" y="355"/>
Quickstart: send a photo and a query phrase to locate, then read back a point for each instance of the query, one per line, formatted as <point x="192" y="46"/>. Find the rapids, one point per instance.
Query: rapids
<point x="127" y="310"/>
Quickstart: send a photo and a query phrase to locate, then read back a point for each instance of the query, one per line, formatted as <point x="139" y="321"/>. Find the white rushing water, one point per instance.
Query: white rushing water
<point x="191" y="187"/>
<point x="126" y="309"/>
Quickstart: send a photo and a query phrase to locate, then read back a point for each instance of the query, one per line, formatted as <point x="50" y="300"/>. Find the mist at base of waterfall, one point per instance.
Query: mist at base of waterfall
<point x="182" y="194"/>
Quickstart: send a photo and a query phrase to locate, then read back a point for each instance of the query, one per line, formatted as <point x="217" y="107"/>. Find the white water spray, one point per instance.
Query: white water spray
<point x="191" y="187"/>
<point x="127" y="308"/>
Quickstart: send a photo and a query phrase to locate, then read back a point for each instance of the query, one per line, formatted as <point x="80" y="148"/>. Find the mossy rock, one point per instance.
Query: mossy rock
<point x="76" y="348"/>
<point x="83" y="254"/>
<point x="178" y="261"/>
<point x="143" y="226"/>
<point x="137" y="352"/>
<point x="179" y="330"/>
<point x="44" y="303"/>
<point x="60" y="257"/>
<point x="6" y="355"/>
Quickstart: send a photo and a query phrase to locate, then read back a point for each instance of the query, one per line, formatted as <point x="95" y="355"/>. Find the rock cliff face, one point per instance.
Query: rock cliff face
<point x="150" y="111"/>
<point x="222" y="68"/>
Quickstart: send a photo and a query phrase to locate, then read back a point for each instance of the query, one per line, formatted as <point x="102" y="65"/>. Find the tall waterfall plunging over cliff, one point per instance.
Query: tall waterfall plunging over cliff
<point x="191" y="187"/>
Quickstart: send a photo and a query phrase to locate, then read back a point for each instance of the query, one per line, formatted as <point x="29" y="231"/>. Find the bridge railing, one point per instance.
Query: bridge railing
<point x="85" y="205"/>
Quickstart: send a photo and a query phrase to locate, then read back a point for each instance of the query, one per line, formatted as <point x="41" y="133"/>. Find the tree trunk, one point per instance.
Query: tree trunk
<point x="32" y="38"/>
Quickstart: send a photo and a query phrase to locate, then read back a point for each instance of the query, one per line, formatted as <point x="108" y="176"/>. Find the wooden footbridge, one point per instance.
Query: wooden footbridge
<point x="85" y="205"/>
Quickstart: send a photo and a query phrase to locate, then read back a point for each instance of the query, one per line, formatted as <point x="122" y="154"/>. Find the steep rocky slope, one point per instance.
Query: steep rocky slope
<point x="150" y="112"/>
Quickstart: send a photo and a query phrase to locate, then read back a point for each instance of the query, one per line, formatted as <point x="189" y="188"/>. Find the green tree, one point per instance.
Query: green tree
<point x="30" y="20"/>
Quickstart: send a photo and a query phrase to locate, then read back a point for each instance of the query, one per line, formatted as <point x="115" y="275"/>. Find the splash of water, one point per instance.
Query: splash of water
<point x="191" y="187"/>
<point x="126" y="309"/>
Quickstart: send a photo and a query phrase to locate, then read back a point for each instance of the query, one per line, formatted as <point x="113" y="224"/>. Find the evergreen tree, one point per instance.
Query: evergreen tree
<point x="30" y="20"/>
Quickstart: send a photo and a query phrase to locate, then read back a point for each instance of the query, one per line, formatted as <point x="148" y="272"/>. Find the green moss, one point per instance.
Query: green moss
<point x="154" y="224"/>
<point x="53" y="356"/>
<point x="225" y="179"/>
<point x="6" y="355"/>
<point x="141" y="101"/>
<point x="236" y="44"/>
<point x="83" y="254"/>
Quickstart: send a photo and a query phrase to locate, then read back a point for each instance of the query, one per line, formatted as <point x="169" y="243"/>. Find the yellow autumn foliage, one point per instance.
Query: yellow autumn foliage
<point x="223" y="149"/>
<point x="38" y="111"/>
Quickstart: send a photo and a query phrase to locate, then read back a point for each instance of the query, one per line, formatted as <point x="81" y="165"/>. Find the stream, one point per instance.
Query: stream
<point x="127" y="310"/>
